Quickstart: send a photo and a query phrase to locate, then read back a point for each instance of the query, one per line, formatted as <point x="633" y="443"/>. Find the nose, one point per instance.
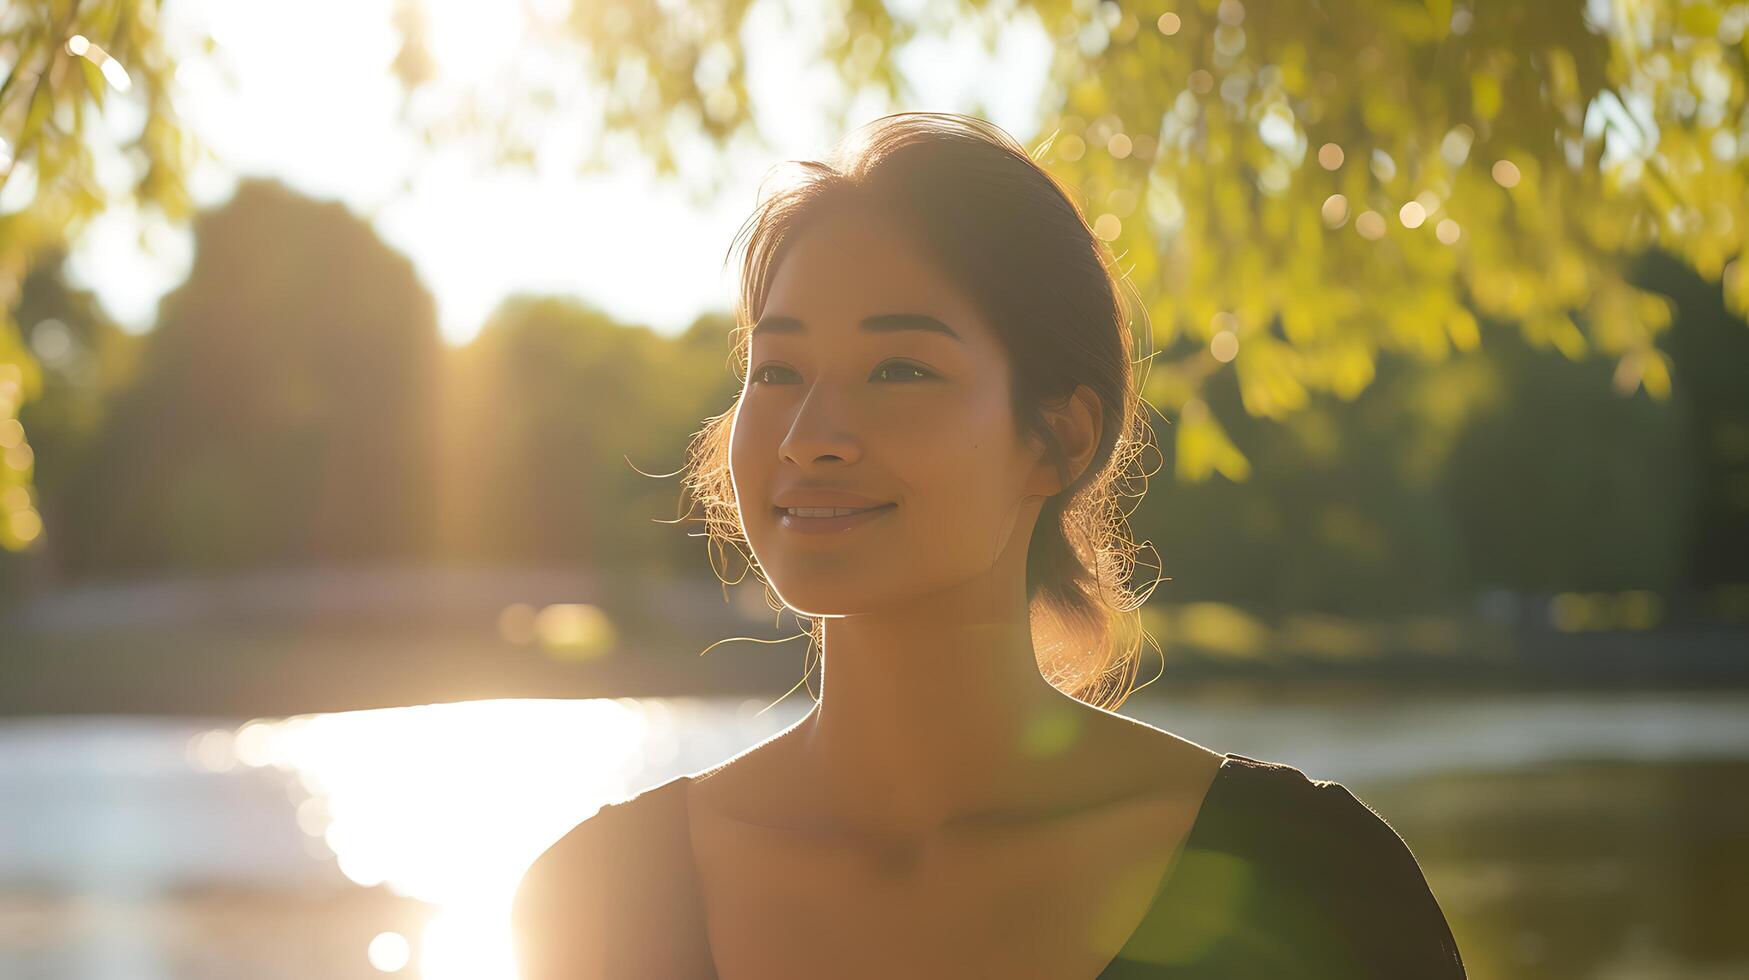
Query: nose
<point x="820" y="430"/>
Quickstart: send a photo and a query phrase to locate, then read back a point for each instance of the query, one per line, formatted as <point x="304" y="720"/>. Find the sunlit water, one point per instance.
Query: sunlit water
<point x="444" y="806"/>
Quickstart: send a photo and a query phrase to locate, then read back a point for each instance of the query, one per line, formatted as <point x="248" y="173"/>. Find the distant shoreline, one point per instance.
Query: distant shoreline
<point x="297" y="642"/>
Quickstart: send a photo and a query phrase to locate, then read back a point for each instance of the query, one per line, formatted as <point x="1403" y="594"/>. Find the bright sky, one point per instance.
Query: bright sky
<point x="311" y="101"/>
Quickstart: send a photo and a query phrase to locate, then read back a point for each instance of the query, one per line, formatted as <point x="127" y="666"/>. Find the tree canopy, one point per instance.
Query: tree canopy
<point x="61" y="62"/>
<point x="1295" y="189"/>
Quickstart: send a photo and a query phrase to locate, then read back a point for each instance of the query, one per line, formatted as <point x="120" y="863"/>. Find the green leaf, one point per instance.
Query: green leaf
<point x="95" y="83"/>
<point x="40" y="103"/>
<point x="1440" y="12"/>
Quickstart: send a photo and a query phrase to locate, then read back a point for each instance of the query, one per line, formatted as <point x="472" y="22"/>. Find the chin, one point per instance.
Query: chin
<point x="817" y="599"/>
<point x="818" y="605"/>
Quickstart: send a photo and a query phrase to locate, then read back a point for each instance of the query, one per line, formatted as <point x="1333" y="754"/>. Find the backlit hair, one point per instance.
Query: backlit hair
<point x="1007" y="231"/>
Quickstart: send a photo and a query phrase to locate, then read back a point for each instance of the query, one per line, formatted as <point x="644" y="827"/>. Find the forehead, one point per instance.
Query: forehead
<point x="853" y="264"/>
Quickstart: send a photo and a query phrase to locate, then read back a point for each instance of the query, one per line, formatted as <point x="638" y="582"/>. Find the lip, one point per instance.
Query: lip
<point x="830" y="525"/>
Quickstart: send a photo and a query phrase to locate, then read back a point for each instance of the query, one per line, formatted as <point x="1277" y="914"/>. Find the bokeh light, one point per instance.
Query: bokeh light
<point x="516" y="623"/>
<point x="1455" y="147"/>
<point x="574" y="631"/>
<point x="389" y="952"/>
<point x="1224" y="346"/>
<point x="1335" y="210"/>
<point x="81" y="46"/>
<point x="1383" y="167"/>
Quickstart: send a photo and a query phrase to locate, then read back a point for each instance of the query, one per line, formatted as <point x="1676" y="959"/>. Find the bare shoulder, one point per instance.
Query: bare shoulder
<point x="563" y="909"/>
<point x="750" y="786"/>
<point x="1155" y="762"/>
<point x="1157" y="752"/>
<point x="559" y="901"/>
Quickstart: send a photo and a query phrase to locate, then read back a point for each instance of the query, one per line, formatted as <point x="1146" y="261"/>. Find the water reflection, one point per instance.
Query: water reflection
<point x="382" y="842"/>
<point x="447" y="804"/>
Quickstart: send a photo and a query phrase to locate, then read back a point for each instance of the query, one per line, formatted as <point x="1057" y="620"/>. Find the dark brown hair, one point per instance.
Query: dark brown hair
<point x="1008" y="232"/>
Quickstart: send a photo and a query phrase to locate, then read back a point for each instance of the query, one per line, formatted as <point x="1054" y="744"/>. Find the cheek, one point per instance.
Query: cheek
<point x="746" y="450"/>
<point x="967" y="458"/>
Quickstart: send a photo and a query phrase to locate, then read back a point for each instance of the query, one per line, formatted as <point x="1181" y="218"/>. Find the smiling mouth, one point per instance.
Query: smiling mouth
<point x="818" y="512"/>
<point x="828" y="521"/>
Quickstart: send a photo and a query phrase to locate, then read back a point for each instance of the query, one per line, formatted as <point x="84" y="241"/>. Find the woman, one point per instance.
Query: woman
<point x="937" y="412"/>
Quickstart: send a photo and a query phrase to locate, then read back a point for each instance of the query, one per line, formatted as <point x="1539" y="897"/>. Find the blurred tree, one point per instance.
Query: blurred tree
<point x="285" y="406"/>
<point x="554" y="410"/>
<point x="1511" y="468"/>
<point x="1557" y="484"/>
<point x="1709" y="348"/>
<point x="85" y="360"/>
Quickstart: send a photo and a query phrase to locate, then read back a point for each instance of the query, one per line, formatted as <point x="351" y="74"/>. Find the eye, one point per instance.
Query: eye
<point x="759" y="375"/>
<point x="902" y="366"/>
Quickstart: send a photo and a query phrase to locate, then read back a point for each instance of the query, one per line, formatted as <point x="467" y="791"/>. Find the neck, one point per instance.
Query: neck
<point x="932" y="711"/>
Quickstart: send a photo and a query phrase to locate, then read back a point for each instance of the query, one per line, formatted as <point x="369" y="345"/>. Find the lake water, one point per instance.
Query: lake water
<point x="1585" y="835"/>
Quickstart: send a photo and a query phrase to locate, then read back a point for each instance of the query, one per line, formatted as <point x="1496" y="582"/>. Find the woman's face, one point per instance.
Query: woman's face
<point x="844" y="392"/>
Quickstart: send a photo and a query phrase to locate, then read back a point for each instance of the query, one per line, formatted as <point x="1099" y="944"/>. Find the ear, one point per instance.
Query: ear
<point x="1078" y="423"/>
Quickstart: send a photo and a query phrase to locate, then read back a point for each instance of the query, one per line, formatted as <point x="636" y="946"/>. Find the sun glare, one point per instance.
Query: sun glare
<point x="471" y="40"/>
<point x="448" y="803"/>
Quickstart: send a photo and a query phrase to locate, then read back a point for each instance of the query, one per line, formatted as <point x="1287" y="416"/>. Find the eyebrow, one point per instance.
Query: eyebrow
<point x="880" y="323"/>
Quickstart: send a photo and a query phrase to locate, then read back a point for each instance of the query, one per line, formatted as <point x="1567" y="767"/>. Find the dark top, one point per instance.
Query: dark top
<point x="1281" y="876"/>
